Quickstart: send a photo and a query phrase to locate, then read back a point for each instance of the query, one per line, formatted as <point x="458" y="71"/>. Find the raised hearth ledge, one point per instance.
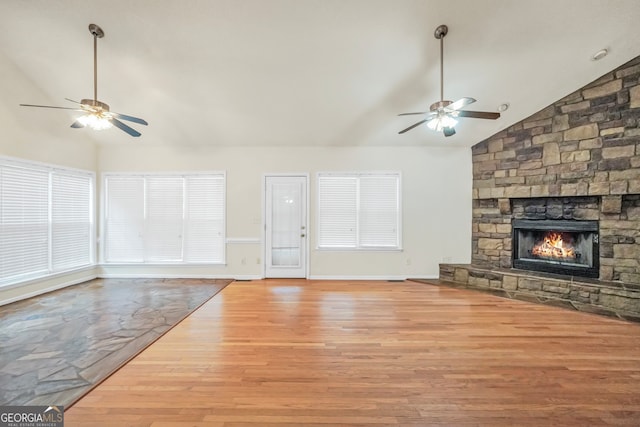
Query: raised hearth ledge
<point x="621" y="300"/>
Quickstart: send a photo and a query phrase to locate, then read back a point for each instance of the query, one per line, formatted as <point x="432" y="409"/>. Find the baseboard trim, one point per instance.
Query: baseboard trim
<point x="243" y="277"/>
<point x="248" y="277"/>
<point x="385" y="277"/>
<point x="177" y="276"/>
<point x="49" y="289"/>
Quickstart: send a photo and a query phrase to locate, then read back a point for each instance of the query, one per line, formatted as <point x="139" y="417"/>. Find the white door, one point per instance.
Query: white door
<point x="286" y="226"/>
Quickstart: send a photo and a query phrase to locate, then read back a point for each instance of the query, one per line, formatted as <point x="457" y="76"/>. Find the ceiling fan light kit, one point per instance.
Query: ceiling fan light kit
<point x="97" y="115"/>
<point x="442" y="122"/>
<point x="442" y="115"/>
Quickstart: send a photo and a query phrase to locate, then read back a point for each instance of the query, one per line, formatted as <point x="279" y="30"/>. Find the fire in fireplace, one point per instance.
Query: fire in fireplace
<point x="557" y="246"/>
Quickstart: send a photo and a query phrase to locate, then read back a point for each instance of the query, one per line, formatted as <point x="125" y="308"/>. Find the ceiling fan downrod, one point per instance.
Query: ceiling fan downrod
<point x="97" y="32"/>
<point x="440" y="32"/>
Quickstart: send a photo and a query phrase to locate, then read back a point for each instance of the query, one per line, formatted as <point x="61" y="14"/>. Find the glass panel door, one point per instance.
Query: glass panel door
<point x="285" y="232"/>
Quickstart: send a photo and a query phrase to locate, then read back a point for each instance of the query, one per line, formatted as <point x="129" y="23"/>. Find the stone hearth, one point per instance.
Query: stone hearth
<point x="589" y="295"/>
<point x="578" y="159"/>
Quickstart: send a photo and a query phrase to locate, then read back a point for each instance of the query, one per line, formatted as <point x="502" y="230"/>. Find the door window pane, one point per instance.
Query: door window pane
<point x="286" y="227"/>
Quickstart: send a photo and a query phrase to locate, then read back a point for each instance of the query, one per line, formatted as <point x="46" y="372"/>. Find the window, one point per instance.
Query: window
<point x="46" y="220"/>
<point x="71" y="220"/>
<point x="359" y="211"/>
<point x="172" y="218"/>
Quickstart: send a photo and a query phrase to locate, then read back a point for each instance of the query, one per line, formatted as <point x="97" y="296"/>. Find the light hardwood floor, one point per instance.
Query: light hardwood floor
<point x="295" y="352"/>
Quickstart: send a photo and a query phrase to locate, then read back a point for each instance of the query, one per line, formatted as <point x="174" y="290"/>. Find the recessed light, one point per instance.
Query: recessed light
<point x="599" y="54"/>
<point x="503" y="107"/>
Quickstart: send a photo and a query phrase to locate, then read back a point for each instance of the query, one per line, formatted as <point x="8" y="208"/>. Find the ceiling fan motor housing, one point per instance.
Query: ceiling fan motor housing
<point x="95" y="103"/>
<point x="439" y="105"/>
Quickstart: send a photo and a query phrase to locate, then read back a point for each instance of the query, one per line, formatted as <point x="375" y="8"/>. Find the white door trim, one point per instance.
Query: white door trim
<point x="264" y="219"/>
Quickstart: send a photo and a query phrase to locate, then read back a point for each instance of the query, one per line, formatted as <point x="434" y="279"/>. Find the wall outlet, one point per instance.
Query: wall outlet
<point x="258" y="260"/>
<point x="446" y="259"/>
<point x="243" y="261"/>
<point x="408" y="261"/>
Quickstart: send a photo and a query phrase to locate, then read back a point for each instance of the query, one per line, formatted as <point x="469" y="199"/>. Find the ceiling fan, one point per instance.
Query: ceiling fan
<point x="442" y="114"/>
<point x="97" y="114"/>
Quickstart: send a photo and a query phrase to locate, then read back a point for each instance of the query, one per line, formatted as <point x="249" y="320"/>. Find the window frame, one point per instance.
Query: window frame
<point x="358" y="246"/>
<point x="144" y="175"/>
<point x="53" y="268"/>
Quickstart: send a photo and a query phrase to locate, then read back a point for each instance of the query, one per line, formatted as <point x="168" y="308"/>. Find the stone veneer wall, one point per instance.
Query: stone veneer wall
<point x="587" y="144"/>
<point x="579" y="158"/>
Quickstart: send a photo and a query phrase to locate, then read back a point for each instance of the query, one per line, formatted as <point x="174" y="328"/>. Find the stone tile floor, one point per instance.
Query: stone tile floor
<point x="55" y="347"/>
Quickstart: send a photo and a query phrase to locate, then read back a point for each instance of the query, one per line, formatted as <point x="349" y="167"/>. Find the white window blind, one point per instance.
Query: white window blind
<point x="338" y="208"/>
<point x="359" y="211"/>
<point x="46" y="223"/>
<point x="24" y="240"/>
<point x="205" y="220"/>
<point x="379" y="211"/>
<point x="71" y="211"/>
<point x="124" y="219"/>
<point x="165" y="218"/>
<point x="163" y="222"/>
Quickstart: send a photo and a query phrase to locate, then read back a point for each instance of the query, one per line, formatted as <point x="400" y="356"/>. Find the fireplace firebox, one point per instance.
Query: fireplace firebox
<point x="565" y="247"/>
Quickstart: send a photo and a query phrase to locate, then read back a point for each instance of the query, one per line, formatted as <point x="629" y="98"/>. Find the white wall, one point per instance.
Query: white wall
<point x="436" y="204"/>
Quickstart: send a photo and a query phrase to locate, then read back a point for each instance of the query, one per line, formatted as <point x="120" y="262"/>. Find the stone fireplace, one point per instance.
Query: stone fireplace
<point x="556" y="203"/>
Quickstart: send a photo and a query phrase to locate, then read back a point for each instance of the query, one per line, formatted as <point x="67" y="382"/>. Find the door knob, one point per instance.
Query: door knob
<point x="302" y="235"/>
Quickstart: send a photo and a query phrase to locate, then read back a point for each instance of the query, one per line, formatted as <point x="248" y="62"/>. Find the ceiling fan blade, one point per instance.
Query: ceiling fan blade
<point x="77" y="125"/>
<point x="411" y="114"/>
<point x="117" y="123"/>
<point x="49" y="106"/>
<point x="130" y="118"/>
<point x="460" y="103"/>
<point x="448" y="131"/>
<point x="75" y="102"/>
<point x="412" y="126"/>
<point x="478" y="114"/>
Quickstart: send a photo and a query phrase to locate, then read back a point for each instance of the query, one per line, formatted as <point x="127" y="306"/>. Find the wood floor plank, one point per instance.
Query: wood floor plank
<point x="296" y="352"/>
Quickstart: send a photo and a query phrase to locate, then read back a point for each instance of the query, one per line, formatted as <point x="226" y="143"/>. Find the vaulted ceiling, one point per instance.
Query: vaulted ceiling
<point x="305" y="72"/>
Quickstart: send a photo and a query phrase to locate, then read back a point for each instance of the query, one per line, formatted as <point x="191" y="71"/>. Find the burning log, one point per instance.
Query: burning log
<point x="554" y="245"/>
